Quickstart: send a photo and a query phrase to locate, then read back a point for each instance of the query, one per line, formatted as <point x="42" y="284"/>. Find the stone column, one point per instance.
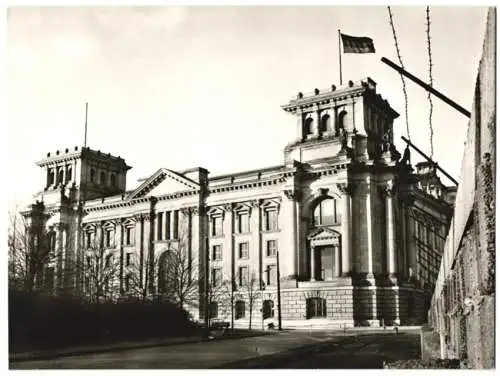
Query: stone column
<point x="316" y="120"/>
<point x="337" y="262"/>
<point x="290" y="233"/>
<point x="228" y="245"/>
<point x="139" y="246"/>
<point x="122" y="256"/>
<point x="313" y="253"/>
<point x="300" y="123"/>
<point x="59" y="251"/>
<point x="346" y="228"/>
<point x="388" y="193"/>
<point x="147" y="251"/>
<point x="369" y="240"/>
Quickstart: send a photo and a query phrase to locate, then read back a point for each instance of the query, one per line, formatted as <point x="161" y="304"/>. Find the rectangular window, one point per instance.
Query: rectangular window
<point x="243" y="250"/>
<point x="217" y="252"/>
<point x="167" y="225"/>
<point x="243" y="223"/>
<point x="160" y="226"/>
<point x="129" y="235"/>
<point x="216" y="226"/>
<point x="271" y="274"/>
<point x="109" y="237"/>
<point x="272" y="248"/>
<point x="175" y="234"/>
<point x="128" y="259"/>
<point x="216" y="276"/>
<point x="89" y="239"/>
<point x="271" y="220"/>
<point x="243" y="275"/>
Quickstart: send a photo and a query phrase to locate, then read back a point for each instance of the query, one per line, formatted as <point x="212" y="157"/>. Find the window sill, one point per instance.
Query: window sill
<point x="271" y="231"/>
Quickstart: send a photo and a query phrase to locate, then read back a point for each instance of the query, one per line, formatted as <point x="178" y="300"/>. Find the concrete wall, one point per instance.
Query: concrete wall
<point x="462" y="309"/>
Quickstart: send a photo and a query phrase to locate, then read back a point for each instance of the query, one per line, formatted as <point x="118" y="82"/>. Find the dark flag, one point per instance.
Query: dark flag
<point x="357" y="45"/>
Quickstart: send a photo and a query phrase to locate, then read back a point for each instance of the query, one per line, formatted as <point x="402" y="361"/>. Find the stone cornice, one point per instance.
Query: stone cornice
<point x="251" y="184"/>
<point x="324" y="98"/>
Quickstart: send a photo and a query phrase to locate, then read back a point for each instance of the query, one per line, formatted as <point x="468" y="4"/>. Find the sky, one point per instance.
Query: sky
<point x="179" y="87"/>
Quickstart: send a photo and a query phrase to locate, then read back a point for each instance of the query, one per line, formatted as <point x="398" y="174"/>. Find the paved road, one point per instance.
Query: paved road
<point x="290" y="349"/>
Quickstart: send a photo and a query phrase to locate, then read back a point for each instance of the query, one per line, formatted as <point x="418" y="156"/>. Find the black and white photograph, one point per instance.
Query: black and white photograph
<point x="250" y="186"/>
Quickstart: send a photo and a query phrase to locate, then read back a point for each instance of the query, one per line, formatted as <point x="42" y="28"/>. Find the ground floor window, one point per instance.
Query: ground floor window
<point x="316" y="307"/>
<point x="213" y="309"/>
<point x="267" y="309"/>
<point x="240" y="309"/>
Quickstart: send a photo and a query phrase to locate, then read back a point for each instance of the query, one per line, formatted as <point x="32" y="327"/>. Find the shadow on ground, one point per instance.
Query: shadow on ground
<point x="351" y="352"/>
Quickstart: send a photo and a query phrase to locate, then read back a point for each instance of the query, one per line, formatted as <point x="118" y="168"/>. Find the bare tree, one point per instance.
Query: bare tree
<point x="99" y="270"/>
<point x="179" y="273"/>
<point x="250" y="290"/>
<point x="219" y="295"/>
<point x="29" y="252"/>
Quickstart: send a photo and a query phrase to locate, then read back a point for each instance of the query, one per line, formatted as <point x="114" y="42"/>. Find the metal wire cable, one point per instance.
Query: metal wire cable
<point x="402" y="66"/>
<point x="429" y="97"/>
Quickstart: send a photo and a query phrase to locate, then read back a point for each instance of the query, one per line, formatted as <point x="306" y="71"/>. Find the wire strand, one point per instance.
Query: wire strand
<point x="402" y="66"/>
<point x="431" y="81"/>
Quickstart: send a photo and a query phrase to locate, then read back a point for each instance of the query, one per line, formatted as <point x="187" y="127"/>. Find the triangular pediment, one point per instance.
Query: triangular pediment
<point x="163" y="182"/>
<point x="323" y="233"/>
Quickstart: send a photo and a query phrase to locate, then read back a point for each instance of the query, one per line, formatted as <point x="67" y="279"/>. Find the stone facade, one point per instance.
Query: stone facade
<point x="347" y="217"/>
<point x="463" y="304"/>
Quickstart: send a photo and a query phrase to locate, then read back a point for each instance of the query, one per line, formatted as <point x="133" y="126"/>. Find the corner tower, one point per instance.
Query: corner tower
<point x="83" y="174"/>
<point x="327" y="119"/>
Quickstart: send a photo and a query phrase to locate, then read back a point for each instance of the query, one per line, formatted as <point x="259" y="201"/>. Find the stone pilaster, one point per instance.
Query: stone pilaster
<point x="388" y="193"/>
<point x="313" y="264"/>
<point x="290" y="263"/>
<point x="346" y="226"/>
<point x="139" y="245"/>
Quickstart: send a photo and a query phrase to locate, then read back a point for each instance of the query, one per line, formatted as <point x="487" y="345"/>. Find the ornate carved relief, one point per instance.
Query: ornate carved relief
<point x="346" y="189"/>
<point x="388" y="190"/>
<point x="292" y="194"/>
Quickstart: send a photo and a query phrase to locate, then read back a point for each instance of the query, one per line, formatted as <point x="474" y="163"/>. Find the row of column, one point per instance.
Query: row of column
<point x="167" y="225"/>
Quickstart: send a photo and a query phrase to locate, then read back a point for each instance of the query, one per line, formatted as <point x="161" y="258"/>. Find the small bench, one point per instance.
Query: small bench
<point x="218" y="325"/>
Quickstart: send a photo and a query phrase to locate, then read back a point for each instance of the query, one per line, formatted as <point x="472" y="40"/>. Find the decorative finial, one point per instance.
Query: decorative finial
<point x="351" y="84"/>
<point x="316" y="91"/>
<point x="334" y="87"/>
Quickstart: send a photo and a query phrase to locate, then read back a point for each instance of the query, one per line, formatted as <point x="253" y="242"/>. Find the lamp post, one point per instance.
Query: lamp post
<point x="278" y="288"/>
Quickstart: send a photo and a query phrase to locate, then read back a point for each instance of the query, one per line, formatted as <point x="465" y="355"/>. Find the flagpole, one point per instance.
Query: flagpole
<point x="340" y="59"/>
<point x="86" y="112"/>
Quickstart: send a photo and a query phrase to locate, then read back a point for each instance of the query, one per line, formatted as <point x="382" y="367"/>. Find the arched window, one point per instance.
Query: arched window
<point x="239" y="309"/>
<point x="92" y="175"/>
<point x="50" y="177"/>
<point x="59" y="175"/>
<point x="213" y="310"/>
<point x="128" y="283"/>
<point x="113" y="180"/>
<point x="69" y="173"/>
<point x="162" y="273"/>
<point x="316" y="307"/>
<point x="267" y="309"/>
<point x="325" y="213"/>
<point x="325" y="124"/>
<point x="103" y="177"/>
<point x="308" y="126"/>
<point x="341" y="122"/>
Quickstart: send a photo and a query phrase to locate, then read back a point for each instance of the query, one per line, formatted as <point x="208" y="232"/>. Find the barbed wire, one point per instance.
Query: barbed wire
<point x="429" y="97"/>
<point x="402" y="66"/>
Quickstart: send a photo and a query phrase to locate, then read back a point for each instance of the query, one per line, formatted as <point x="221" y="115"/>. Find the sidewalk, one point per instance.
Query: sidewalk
<point x="126" y="345"/>
<point x="99" y="348"/>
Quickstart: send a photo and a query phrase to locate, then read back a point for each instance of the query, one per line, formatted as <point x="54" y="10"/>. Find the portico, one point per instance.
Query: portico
<point x="325" y="254"/>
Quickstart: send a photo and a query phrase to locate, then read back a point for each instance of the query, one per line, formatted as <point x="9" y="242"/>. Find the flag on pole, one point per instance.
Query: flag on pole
<point x="357" y="45"/>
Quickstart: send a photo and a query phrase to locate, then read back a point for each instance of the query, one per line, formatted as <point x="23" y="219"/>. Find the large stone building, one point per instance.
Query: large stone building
<point x="359" y="235"/>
